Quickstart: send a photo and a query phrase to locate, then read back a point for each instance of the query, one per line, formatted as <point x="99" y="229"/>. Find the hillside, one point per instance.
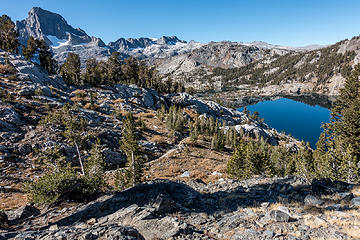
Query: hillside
<point x="264" y="71"/>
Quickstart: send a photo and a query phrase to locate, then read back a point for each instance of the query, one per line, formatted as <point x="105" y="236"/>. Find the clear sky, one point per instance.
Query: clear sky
<point x="284" y="22"/>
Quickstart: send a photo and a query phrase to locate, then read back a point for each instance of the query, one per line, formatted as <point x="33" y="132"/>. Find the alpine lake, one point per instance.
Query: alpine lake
<point x="300" y="116"/>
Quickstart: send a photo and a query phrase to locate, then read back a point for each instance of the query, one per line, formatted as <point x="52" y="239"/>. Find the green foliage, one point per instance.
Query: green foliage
<point x="321" y="64"/>
<point x="8" y="35"/>
<point x="175" y="119"/>
<point x="70" y="70"/>
<point x="46" y="57"/>
<point x="218" y="140"/>
<point x="63" y="182"/>
<point x="30" y="48"/>
<point x="338" y="153"/>
<point x="129" y="71"/>
<point x="252" y="157"/>
<point x="133" y="173"/>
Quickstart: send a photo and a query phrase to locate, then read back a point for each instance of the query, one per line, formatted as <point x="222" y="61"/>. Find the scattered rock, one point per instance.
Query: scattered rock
<point x="311" y="200"/>
<point x="3" y="218"/>
<point x="164" y="205"/>
<point x="356" y="202"/>
<point x="279" y="216"/>
<point x="24" y="212"/>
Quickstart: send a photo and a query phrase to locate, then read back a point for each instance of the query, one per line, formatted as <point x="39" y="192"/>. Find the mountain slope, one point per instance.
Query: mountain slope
<point x="264" y="69"/>
<point x="150" y="48"/>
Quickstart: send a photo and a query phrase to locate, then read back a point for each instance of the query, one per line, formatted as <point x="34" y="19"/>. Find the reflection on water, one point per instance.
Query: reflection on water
<point x="302" y="119"/>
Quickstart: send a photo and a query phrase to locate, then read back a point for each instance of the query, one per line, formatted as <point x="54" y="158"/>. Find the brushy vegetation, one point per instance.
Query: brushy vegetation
<point x="133" y="173"/>
<point x="63" y="182"/>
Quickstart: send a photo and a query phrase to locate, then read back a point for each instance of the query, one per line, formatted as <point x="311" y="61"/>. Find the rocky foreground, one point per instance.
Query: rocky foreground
<point x="258" y="208"/>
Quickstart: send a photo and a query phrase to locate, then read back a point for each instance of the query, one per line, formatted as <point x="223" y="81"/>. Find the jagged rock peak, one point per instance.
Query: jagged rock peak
<point x="41" y="23"/>
<point x="133" y="43"/>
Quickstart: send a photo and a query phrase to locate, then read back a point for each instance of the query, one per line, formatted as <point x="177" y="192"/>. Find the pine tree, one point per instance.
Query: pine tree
<point x="91" y="76"/>
<point x="95" y="167"/>
<point x="130" y="145"/>
<point x="30" y="49"/>
<point x="321" y="159"/>
<point x="114" y="73"/>
<point x="305" y="162"/>
<point x="343" y="131"/>
<point x="236" y="164"/>
<point x="46" y="57"/>
<point x="8" y="35"/>
<point x="70" y="70"/>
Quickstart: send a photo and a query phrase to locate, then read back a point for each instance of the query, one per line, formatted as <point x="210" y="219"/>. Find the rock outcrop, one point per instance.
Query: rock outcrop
<point x="259" y="208"/>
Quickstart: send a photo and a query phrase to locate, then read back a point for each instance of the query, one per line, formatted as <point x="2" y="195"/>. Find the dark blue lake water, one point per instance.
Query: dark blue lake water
<point x="301" y="120"/>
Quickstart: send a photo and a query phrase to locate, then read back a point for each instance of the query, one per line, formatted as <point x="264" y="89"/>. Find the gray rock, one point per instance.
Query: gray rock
<point x="114" y="159"/>
<point x="279" y="216"/>
<point x="25" y="149"/>
<point x="45" y="91"/>
<point x="269" y="234"/>
<point x="27" y="91"/>
<point x="23" y="213"/>
<point x="10" y="116"/>
<point x="311" y="200"/>
<point x="356" y="202"/>
<point x="3" y="218"/>
<point x="164" y="205"/>
<point x="345" y="196"/>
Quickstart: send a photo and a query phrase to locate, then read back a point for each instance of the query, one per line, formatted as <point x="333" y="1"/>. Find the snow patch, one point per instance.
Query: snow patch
<point x="56" y="42"/>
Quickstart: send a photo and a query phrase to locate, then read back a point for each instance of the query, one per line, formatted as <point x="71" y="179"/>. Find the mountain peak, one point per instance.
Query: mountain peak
<point x="41" y="23"/>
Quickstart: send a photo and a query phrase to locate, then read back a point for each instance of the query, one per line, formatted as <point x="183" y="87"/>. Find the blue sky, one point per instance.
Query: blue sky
<point x="284" y="22"/>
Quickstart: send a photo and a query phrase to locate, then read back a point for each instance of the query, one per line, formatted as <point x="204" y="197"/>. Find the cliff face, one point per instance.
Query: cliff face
<point x="41" y="23"/>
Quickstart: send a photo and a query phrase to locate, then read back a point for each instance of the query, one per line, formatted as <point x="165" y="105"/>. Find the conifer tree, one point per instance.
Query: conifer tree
<point x="130" y="145"/>
<point x="46" y="57"/>
<point x="30" y="49"/>
<point x="91" y="76"/>
<point x="113" y="64"/>
<point x="70" y="70"/>
<point x="343" y="132"/>
<point x="8" y="35"/>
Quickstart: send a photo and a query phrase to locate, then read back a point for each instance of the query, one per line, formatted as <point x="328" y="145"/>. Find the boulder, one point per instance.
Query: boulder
<point x="24" y="212"/>
<point x="311" y="200"/>
<point x="3" y="218"/>
<point x="114" y="159"/>
<point x="279" y="216"/>
<point x="356" y="202"/>
<point x="164" y="204"/>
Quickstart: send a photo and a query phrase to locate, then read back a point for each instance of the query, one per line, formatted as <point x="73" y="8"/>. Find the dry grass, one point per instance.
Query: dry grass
<point x="90" y="106"/>
<point x="158" y="139"/>
<point x="356" y="191"/>
<point x="198" y="160"/>
<point x="144" y="115"/>
<point x="79" y="93"/>
<point x="347" y="221"/>
<point x="315" y="222"/>
<point x="119" y="100"/>
<point x="7" y="69"/>
<point x="12" y="201"/>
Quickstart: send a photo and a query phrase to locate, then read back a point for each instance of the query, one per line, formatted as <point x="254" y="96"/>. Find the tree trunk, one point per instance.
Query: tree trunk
<point x="133" y="167"/>
<point x="80" y="161"/>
